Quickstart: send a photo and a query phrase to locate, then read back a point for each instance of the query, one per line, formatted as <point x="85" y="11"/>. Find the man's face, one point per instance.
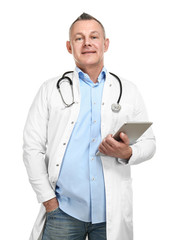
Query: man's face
<point x="87" y="44"/>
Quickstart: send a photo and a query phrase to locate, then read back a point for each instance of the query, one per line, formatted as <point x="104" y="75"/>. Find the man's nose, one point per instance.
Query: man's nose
<point x="87" y="42"/>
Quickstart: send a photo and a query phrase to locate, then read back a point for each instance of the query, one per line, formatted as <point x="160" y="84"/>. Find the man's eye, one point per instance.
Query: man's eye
<point x="94" y="37"/>
<point x="78" y="39"/>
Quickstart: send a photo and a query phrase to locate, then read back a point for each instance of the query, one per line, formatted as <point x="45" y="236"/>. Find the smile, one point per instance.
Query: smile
<point x="88" y="52"/>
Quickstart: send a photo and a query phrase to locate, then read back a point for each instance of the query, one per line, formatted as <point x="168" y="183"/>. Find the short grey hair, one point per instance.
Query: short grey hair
<point x="84" y="17"/>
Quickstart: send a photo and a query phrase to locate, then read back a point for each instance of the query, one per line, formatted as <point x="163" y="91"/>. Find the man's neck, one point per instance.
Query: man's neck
<point x="93" y="72"/>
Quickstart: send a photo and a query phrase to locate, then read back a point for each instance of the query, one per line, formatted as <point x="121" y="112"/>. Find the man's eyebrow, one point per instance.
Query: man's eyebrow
<point x="80" y="33"/>
<point x="95" y="32"/>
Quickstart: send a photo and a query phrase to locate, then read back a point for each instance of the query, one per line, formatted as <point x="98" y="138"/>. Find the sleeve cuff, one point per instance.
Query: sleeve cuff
<point x="45" y="197"/>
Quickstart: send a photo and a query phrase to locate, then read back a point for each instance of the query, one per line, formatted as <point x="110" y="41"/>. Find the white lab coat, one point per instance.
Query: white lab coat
<point x="48" y="129"/>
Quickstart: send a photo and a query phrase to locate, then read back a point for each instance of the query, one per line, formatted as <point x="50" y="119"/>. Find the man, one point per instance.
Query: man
<point x="83" y="194"/>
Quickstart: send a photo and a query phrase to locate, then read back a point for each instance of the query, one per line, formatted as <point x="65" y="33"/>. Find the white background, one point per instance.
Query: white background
<point x="142" y="50"/>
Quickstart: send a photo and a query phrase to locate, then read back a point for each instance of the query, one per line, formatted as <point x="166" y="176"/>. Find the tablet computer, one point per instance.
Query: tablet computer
<point x="133" y="130"/>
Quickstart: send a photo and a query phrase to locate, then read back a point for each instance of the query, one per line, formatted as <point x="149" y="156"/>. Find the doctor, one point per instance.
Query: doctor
<point x="82" y="194"/>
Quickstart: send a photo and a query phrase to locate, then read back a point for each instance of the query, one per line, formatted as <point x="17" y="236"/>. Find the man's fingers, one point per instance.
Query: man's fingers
<point x="106" y="144"/>
<point x="109" y="146"/>
<point x="124" y="138"/>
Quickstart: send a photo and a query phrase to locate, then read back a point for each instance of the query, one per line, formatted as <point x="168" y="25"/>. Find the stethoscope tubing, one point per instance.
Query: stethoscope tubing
<point x="115" y="106"/>
<point x="121" y="89"/>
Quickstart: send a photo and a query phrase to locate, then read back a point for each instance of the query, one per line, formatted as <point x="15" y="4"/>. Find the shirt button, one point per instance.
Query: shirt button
<point x="94" y="121"/>
<point x="93" y="140"/>
<point x="92" y="158"/>
<point x="93" y="179"/>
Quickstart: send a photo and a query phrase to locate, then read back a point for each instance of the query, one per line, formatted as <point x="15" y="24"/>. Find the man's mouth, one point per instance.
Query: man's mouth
<point x="88" y="52"/>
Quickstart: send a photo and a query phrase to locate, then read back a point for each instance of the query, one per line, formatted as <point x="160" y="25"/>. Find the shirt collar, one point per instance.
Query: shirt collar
<point x="85" y="77"/>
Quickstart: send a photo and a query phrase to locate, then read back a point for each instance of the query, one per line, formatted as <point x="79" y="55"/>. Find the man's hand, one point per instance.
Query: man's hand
<point x="51" y="204"/>
<point x="110" y="147"/>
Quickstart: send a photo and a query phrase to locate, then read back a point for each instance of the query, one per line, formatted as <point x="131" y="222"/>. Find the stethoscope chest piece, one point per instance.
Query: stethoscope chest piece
<point x="115" y="107"/>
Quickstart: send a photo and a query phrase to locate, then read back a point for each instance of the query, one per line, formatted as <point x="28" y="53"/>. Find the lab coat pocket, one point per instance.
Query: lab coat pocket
<point x="127" y="200"/>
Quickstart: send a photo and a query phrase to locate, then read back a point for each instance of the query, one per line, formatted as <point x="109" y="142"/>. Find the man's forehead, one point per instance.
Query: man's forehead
<point x="84" y="25"/>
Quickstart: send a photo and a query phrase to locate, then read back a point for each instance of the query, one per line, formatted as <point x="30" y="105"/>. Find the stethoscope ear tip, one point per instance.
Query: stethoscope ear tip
<point x="115" y="107"/>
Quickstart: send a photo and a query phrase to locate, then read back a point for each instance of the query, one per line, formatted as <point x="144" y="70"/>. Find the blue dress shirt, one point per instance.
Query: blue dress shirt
<point x="80" y="187"/>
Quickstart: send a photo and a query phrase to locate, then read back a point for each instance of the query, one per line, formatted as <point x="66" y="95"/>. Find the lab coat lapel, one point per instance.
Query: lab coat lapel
<point x="109" y="119"/>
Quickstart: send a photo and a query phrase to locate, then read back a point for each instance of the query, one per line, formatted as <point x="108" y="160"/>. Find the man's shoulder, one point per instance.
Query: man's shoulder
<point x="128" y="82"/>
<point x="49" y="86"/>
<point x="51" y="81"/>
<point x="125" y="82"/>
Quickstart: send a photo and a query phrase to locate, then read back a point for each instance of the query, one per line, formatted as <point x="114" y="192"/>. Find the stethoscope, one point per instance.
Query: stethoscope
<point x="115" y="107"/>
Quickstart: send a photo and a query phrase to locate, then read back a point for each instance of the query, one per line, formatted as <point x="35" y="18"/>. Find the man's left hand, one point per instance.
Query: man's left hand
<point x="118" y="149"/>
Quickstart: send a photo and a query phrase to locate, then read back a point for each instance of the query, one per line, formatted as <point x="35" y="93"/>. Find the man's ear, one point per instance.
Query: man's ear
<point x="106" y="44"/>
<point x="69" y="48"/>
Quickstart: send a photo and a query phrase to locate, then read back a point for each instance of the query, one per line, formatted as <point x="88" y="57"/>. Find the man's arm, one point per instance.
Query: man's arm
<point x="34" y="147"/>
<point x="142" y="150"/>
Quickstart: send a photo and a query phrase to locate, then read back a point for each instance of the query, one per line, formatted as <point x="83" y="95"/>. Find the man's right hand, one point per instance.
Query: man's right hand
<point x="51" y="204"/>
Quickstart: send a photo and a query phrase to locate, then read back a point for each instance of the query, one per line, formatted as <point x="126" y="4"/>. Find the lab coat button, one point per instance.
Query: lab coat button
<point x="57" y="165"/>
<point x="64" y="144"/>
<point x="72" y="122"/>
